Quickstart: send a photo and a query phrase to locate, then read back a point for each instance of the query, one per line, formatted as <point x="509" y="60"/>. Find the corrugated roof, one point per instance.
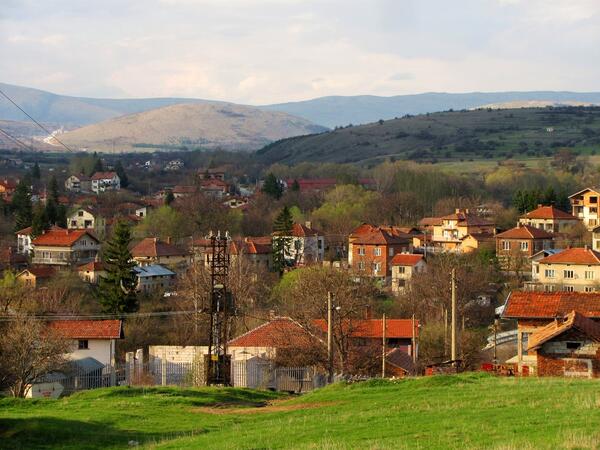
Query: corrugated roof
<point x="578" y="255"/>
<point x="574" y="320"/>
<point x="549" y="305"/>
<point x="152" y="270"/>
<point x="88" y="329"/>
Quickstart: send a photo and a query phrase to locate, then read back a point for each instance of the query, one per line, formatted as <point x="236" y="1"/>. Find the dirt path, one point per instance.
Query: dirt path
<point x="274" y="406"/>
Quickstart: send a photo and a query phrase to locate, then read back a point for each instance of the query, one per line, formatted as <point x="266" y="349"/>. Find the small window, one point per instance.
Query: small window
<point x="506" y="245"/>
<point x="361" y="251"/>
<point x="402" y="269"/>
<point x="80" y="213"/>
<point x="377" y="251"/>
<point x="588" y="289"/>
<point x="573" y="345"/>
<point x="569" y="289"/>
<point x="568" y="274"/>
<point x="391" y="251"/>
<point x="593" y="199"/>
<point x="83" y="344"/>
<point x="589" y="274"/>
<point x="524" y="245"/>
<point x="549" y="273"/>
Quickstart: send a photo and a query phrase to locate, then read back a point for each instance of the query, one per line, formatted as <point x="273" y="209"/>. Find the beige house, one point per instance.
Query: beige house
<point x="154" y="251"/>
<point x="449" y="232"/>
<point x="549" y="218"/>
<point x="571" y="270"/>
<point x="36" y="277"/>
<point x="91" y="272"/>
<point x="58" y="247"/>
<point x="404" y="266"/>
<point x="78" y="183"/>
<point x="584" y="206"/>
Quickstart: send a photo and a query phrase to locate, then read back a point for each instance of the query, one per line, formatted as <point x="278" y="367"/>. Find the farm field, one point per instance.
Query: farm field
<point x="466" y="411"/>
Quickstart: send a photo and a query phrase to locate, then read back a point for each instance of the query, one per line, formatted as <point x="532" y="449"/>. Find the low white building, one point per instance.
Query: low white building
<point x="306" y="245"/>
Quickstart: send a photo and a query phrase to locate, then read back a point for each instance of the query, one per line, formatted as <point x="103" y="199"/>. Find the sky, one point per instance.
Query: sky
<point x="271" y="51"/>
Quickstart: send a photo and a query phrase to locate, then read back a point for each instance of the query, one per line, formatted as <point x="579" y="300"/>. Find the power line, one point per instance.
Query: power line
<point x="14" y="139"/>
<point x="51" y="317"/>
<point x="35" y="121"/>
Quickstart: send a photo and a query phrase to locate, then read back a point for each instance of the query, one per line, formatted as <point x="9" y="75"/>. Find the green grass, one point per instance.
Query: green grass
<point x="467" y="411"/>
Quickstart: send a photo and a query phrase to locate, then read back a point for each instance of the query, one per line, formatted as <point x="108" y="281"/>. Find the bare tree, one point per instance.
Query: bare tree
<point x="29" y="350"/>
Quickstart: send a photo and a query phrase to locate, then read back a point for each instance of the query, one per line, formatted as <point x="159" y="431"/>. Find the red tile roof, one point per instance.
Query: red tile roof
<point x="574" y="320"/>
<point x="405" y="259"/>
<point x="381" y="236"/>
<point x="88" y="329"/>
<point x="525" y="232"/>
<point x="585" y="256"/>
<point x="154" y="247"/>
<point x="41" y="272"/>
<point x="430" y="221"/>
<point x="278" y="333"/>
<point x="25" y="231"/>
<point x="548" y="305"/>
<point x="92" y="266"/>
<point x="61" y="237"/>
<point x="104" y="175"/>
<point x="467" y="219"/>
<point x="372" y="328"/>
<point x="251" y="247"/>
<point x="549" y="212"/>
<point x="300" y="230"/>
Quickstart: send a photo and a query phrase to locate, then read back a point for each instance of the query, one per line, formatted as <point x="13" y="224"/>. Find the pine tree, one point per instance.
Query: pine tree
<point x="295" y="186"/>
<point x="98" y="166"/>
<point x="169" y="197"/>
<point x="120" y="170"/>
<point x="21" y="205"/>
<point x="39" y="222"/>
<point x="35" y="171"/>
<point x="282" y="240"/>
<point x="117" y="288"/>
<point x="272" y="187"/>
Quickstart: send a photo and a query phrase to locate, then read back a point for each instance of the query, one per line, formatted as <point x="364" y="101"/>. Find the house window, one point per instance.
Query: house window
<point x="377" y="251"/>
<point x="588" y="289"/>
<point x="569" y="289"/>
<point x="573" y="345"/>
<point x="83" y="344"/>
<point x="80" y="213"/>
<point x="401" y="269"/>
<point x="506" y="245"/>
<point x="524" y="245"/>
<point x="593" y="199"/>
<point x="589" y="274"/>
<point x="568" y="274"/>
<point x="593" y="210"/>
<point x="391" y="251"/>
<point x="376" y="268"/>
<point x="549" y="273"/>
<point x="361" y="251"/>
<point x="361" y="265"/>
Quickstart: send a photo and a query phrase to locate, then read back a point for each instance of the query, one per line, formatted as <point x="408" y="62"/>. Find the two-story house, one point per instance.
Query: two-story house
<point x="105" y="181"/>
<point x="572" y="269"/>
<point x="24" y="241"/>
<point x="153" y="277"/>
<point x="549" y="218"/>
<point x="404" y="266"/>
<point x="584" y="205"/>
<point x="58" y="247"/>
<point x="257" y="252"/>
<point x="305" y="245"/>
<point x="449" y="232"/>
<point x="154" y="251"/>
<point x="78" y="183"/>
<point x="515" y="247"/>
<point x="81" y="218"/>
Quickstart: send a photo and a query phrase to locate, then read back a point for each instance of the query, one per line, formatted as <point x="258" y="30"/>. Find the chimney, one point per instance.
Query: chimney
<point x="272" y="314"/>
<point x="540" y="205"/>
<point x="457" y="211"/>
<point x="308" y="224"/>
<point x="168" y="239"/>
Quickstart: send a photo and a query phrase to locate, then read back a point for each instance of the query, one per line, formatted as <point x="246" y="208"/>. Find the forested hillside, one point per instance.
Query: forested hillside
<point x="451" y="135"/>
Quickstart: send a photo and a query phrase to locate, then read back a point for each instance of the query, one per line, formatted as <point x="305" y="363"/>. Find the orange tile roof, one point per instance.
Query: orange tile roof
<point x="278" y="333"/>
<point x="154" y="247"/>
<point x="372" y="328"/>
<point x="430" y="221"/>
<point x="405" y="259"/>
<point x="573" y="320"/>
<point x="549" y="305"/>
<point x="467" y="219"/>
<point x="381" y="236"/>
<point x="576" y="255"/>
<point x="41" y="272"/>
<point x="88" y="329"/>
<point x="61" y="237"/>
<point x="524" y="232"/>
<point x="104" y="175"/>
<point x="549" y="212"/>
<point x="92" y="266"/>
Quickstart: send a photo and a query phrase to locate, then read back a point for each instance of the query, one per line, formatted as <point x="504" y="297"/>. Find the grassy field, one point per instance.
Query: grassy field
<point x="467" y="411"/>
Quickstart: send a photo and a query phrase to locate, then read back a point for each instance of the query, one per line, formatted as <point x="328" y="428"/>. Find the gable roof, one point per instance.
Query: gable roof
<point x="524" y="232"/>
<point x="430" y="221"/>
<point x="573" y="256"/>
<point x="574" y="320"/>
<point x="464" y="218"/>
<point x="40" y="272"/>
<point x="549" y="305"/>
<point x="104" y="175"/>
<point x="399" y="357"/>
<point x="152" y="270"/>
<point x="251" y="246"/>
<point x="381" y="236"/>
<point x="406" y="259"/>
<point x="88" y="329"/>
<point x="154" y="247"/>
<point x="61" y="237"/>
<point x="92" y="266"/>
<point x="549" y="212"/>
<point x="372" y="328"/>
<point x="278" y="333"/>
<point x="591" y="189"/>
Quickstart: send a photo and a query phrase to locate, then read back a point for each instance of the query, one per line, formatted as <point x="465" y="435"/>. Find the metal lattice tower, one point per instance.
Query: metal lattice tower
<point x="221" y="308"/>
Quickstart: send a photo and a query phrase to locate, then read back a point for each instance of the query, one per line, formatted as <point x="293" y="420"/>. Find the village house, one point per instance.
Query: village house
<point x="478" y="241"/>
<point x="404" y="266"/>
<point x="214" y="187"/>
<point x="84" y="218"/>
<point x="534" y="311"/>
<point x="450" y="231"/>
<point x="305" y="245"/>
<point x="7" y="188"/>
<point x="515" y="247"/>
<point x="572" y="269"/>
<point x="371" y="249"/>
<point x="152" y="250"/>
<point x="153" y="277"/>
<point x="24" y="241"/>
<point x="181" y="191"/>
<point x="36" y="277"/>
<point x="91" y="272"/>
<point x="257" y="252"/>
<point x="58" y="247"/>
<point x="584" y="205"/>
<point x="549" y="218"/>
<point x="78" y="183"/>
<point x="105" y="181"/>
<point x="91" y="338"/>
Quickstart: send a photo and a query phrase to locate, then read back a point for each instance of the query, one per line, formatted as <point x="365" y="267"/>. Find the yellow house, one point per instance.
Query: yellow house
<point x="584" y="206"/>
<point x="549" y="218"/>
<point x="448" y="235"/>
<point x="36" y="277"/>
<point x="571" y="270"/>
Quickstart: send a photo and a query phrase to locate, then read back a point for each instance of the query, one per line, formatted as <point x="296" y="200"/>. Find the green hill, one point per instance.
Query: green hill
<point x="452" y="135"/>
<point x="441" y="412"/>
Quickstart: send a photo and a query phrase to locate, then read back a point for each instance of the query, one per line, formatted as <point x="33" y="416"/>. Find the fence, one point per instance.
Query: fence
<point x="254" y="373"/>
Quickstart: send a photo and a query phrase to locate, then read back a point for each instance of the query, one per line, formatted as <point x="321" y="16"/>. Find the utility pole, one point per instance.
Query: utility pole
<point x="330" y="337"/>
<point x="453" y="319"/>
<point x="383" y="327"/>
<point x="495" y="341"/>
<point x="414" y="341"/>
